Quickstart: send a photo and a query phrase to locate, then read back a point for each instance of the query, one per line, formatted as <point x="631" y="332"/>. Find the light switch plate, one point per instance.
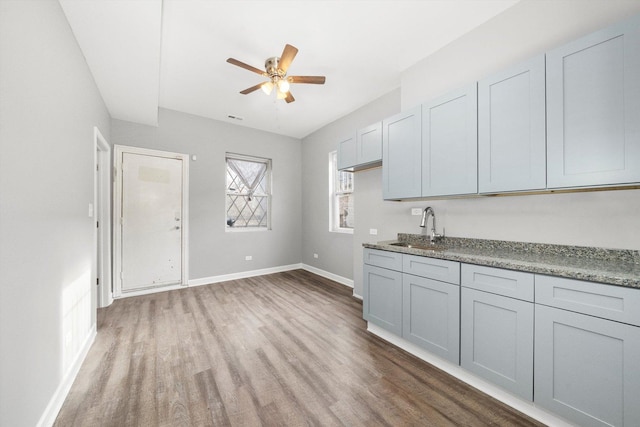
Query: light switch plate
<point x="373" y="231"/>
<point x="416" y="211"/>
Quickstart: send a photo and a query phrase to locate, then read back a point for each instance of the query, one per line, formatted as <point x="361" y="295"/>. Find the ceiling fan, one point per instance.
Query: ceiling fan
<point x="276" y="71"/>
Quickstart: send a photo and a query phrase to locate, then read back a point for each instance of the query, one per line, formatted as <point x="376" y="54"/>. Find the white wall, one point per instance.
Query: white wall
<point x="212" y="250"/>
<point x="49" y="105"/>
<point x="335" y="250"/>
<point x="605" y="219"/>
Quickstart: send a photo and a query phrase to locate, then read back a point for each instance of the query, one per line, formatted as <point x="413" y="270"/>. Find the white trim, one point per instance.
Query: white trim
<point x="148" y="291"/>
<point x="357" y="296"/>
<point x="55" y="404"/>
<point x="526" y="407"/>
<point x="328" y="275"/>
<point x="243" y="275"/>
<point x="102" y="199"/>
<point x="119" y="150"/>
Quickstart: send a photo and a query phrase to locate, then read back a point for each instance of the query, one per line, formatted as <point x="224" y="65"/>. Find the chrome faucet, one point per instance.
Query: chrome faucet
<point x="433" y="237"/>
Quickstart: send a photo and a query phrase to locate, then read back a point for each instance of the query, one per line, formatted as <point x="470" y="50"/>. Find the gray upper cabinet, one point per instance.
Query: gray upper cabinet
<point x="511" y="129"/>
<point x="593" y="109"/>
<point x="401" y="155"/>
<point x="450" y="144"/>
<point x="361" y="150"/>
<point x="347" y="152"/>
<point x="369" y="145"/>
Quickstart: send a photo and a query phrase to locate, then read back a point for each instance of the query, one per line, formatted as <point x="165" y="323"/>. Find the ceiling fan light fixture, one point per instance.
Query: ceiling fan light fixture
<point x="276" y="71"/>
<point x="283" y="85"/>
<point x="267" y="87"/>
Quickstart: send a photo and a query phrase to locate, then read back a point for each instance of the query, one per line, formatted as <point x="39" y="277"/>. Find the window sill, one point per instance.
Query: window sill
<point x="245" y="230"/>
<point x="342" y="230"/>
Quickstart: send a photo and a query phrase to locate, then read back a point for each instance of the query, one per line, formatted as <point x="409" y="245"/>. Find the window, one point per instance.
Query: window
<point x="248" y="198"/>
<point x="341" y="214"/>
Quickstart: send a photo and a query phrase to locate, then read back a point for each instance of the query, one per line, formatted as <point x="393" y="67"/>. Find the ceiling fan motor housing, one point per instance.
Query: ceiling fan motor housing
<point x="271" y="66"/>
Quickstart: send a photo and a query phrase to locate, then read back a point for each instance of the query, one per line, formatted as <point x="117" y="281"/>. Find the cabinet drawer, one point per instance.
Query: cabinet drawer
<point x="596" y="299"/>
<point x="384" y="259"/>
<point x="432" y="268"/>
<point x="514" y="284"/>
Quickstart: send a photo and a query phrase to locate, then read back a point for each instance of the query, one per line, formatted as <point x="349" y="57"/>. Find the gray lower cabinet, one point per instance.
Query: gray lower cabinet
<point x="587" y="368"/>
<point x="593" y="109"/>
<point x="496" y="333"/>
<point x="431" y="312"/>
<point x="382" y="288"/>
<point x="587" y="353"/>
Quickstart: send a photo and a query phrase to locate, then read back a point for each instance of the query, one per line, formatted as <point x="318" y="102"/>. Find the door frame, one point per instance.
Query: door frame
<point x="102" y="202"/>
<point x="119" y="150"/>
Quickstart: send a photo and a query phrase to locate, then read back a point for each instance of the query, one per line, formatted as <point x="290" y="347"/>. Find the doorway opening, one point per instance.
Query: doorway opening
<point x="102" y="216"/>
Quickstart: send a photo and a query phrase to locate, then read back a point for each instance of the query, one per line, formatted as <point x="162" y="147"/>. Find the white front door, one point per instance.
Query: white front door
<point x="151" y="220"/>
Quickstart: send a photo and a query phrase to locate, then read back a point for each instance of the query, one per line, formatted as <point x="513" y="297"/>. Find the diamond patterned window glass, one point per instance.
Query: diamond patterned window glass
<point x="248" y="197"/>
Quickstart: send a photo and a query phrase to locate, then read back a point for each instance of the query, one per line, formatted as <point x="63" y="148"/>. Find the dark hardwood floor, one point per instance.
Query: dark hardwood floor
<point x="285" y="349"/>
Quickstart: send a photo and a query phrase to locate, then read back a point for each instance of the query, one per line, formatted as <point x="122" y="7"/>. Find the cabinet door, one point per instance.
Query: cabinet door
<point x="511" y="129"/>
<point x="587" y="369"/>
<point x="401" y="156"/>
<point x="450" y="144"/>
<point x="369" y="144"/>
<point x="496" y="340"/>
<point x="431" y="315"/>
<point x="382" y="299"/>
<point x="593" y="109"/>
<point x="347" y="154"/>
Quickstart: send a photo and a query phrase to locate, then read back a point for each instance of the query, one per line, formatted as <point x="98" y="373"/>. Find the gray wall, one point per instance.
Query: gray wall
<point x="605" y="219"/>
<point x="49" y="104"/>
<point x="212" y="250"/>
<point x="335" y="250"/>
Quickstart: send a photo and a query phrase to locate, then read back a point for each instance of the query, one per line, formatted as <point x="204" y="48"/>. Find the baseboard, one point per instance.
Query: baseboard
<point x="55" y="404"/>
<point x="328" y="275"/>
<point x="357" y="296"/>
<point x="526" y="407"/>
<point x="243" y="275"/>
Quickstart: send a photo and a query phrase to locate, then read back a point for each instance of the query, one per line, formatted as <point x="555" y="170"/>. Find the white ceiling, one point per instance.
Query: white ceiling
<point x="146" y="54"/>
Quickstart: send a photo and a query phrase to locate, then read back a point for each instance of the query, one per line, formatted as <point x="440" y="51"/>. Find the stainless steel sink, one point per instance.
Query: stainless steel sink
<point x="425" y="247"/>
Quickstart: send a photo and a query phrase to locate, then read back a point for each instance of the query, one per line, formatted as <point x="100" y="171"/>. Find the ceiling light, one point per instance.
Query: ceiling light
<point x="280" y="94"/>
<point x="283" y="85"/>
<point x="267" y="87"/>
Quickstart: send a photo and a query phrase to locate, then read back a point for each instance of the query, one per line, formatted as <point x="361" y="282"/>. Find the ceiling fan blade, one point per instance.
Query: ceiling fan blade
<point x="287" y="56"/>
<point x="252" y="88"/>
<point x="289" y="98"/>
<point x="246" y="66"/>
<point x="316" y="80"/>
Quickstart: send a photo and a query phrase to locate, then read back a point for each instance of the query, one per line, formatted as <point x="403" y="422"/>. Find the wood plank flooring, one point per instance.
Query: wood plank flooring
<point x="286" y="349"/>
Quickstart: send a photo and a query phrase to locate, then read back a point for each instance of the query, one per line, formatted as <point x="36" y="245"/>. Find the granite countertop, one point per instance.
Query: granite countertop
<point x="611" y="266"/>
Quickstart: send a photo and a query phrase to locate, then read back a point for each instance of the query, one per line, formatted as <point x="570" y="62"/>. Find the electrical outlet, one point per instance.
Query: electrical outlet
<point x="416" y="211"/>
<point x="315" y="255"/>
<point x="373" y="231"/>
<point x="248" y="258"/>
